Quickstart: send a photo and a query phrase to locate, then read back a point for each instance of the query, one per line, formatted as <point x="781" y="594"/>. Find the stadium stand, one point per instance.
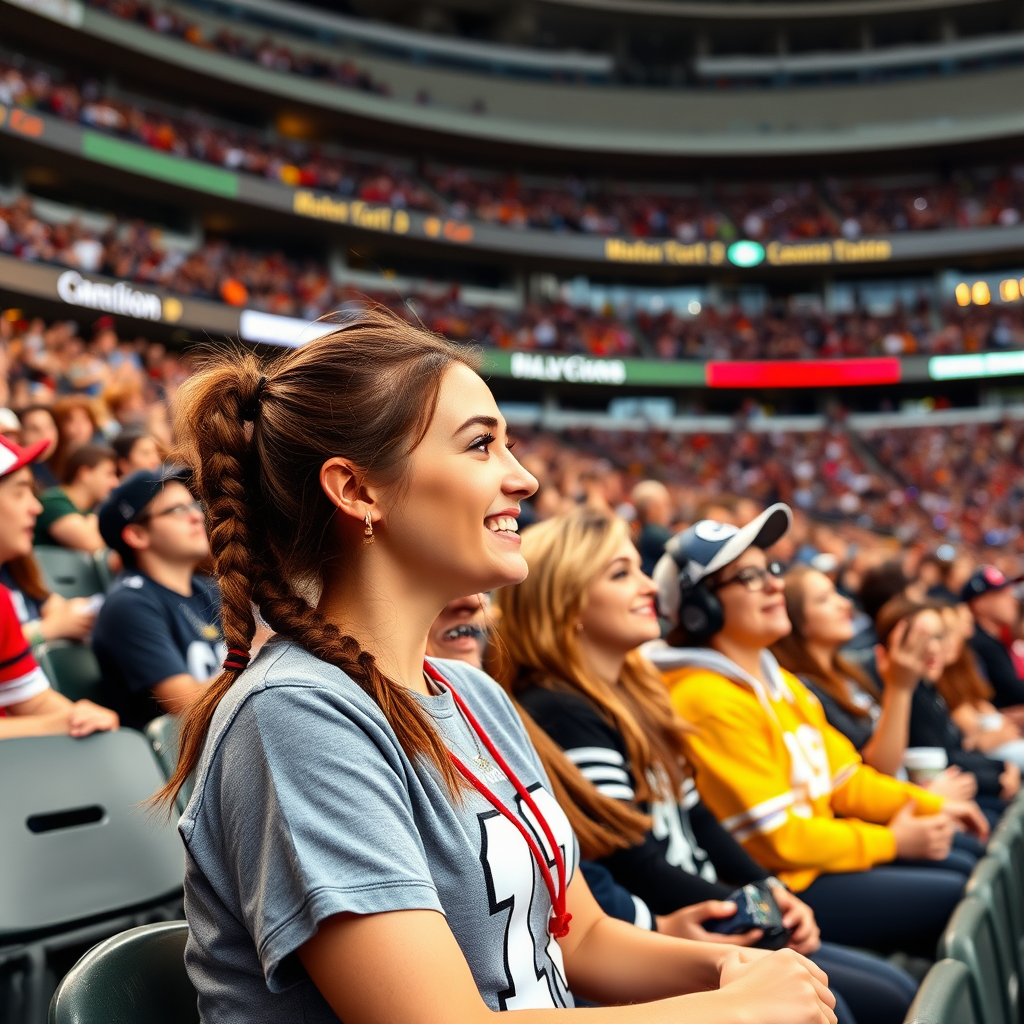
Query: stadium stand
<point x="727" y="255"/>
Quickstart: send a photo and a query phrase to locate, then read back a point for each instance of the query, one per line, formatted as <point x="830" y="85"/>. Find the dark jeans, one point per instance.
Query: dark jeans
<point x="891" y="907"/>
<point x="875" y="992"/>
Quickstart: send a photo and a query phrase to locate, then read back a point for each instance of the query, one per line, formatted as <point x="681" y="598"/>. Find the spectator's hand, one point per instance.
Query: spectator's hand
<point x="1009" y="780"/>
<point x="686" y="923"/>
<point x="954" y="784"/>
<point x="784" y="986"/>
<point x="922" y="837"/>
<point x="87" y="718"/>
<point x="66" y="620"/>
<point x="968" y="815"/>
<point x="901" y="662"/>
<point x="806" y="937"/>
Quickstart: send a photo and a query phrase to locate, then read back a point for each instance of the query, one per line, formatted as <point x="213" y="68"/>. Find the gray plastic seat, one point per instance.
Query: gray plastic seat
<point x="68" y="572"/>
<point x="75" y="832"/>
<point x="136" y="977"/>
<point x="946" y="996"/>
<point x="72" y="669"/>
<point x="970" y="937"/>
<point x="990" y="884"/>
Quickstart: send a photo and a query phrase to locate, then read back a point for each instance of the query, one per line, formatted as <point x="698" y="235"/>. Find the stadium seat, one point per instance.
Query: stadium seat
<point x="69" y="573"/>
<point x="970" y="937"/>
<point x="990" y="884"/>
<point x="89" y="859"/>
<point x="946" y="996"/>
<point x="103" y="573"/>
<point x="162" y="733"/>
<point x="137" y="977"/>
<point x="72" y="669"/>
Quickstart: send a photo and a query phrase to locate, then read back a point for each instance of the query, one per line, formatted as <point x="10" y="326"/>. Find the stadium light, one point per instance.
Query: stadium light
<point x="1009" y="290"/>
<point x="980" y="293"/>
<point x="963" y="294"/>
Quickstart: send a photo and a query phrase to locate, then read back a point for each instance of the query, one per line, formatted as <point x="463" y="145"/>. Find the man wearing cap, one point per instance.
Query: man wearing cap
<point x="28" y="704"/>
<point x="784" y="783"/>
<point x="158" y="636"/>
<point x="996" y="610"/>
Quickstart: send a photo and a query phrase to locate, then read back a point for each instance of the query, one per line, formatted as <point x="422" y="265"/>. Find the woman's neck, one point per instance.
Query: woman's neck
<point x="747" y="656"/>
<point x="605" y="664"/>
<point x="388" y="614"/>
<point x="823" y="654"/>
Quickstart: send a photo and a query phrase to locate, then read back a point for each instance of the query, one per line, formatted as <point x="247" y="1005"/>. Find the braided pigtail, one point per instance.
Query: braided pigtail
<point x="290" y="615"/>
<point x="218" y="450"/>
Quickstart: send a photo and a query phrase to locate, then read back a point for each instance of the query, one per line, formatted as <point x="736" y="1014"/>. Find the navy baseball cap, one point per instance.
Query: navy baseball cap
<point x="128" y="499"/>
<point x="984" y="580"/>
<point x="707" y="546"/>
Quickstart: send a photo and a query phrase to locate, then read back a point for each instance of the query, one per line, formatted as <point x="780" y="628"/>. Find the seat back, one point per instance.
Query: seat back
<point x="72" y="669"/>
<point x="103" y="572"/>
<point x="75" y="834"/>
<point x="137" y="977"/>
<point x="162" y="733"/>
<point x="990" y="883"/>
<point x="970" y="937"/>
<point x="67" y="572"/>
<point x="946" y="996"/>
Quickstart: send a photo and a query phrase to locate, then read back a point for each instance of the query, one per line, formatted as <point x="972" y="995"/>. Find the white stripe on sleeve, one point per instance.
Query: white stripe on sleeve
<point x="642" y="918"/>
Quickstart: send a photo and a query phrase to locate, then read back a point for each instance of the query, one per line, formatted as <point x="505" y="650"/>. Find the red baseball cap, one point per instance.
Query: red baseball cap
<point x="13" y="456"/>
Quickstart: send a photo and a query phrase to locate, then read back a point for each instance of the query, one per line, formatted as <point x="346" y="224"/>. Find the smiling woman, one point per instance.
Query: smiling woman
<point x="371" y="835"/>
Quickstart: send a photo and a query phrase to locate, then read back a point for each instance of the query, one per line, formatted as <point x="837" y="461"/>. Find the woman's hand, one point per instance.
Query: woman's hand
<point x="922" y="837"/>
<point x="901" y="662"/>
<point x="685" y="923"/>
<point x="968" y="815"/>
<point x="86" y="718"/>
<point x="796" y="915"/>
<point x="1009" y="780"/>
<point x="63" y="619"/>
<point x="781" y="988"/>
<point x="954" y="784"/>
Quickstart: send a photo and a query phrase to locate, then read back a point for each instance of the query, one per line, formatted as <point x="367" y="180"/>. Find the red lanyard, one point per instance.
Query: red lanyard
<point x="558" y="926"/>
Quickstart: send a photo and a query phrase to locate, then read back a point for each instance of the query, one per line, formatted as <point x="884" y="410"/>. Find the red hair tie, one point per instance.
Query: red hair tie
<point x="236" y="660"/>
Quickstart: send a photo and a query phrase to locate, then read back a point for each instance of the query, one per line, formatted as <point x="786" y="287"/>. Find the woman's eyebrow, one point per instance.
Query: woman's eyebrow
<point x="483" y="421"/>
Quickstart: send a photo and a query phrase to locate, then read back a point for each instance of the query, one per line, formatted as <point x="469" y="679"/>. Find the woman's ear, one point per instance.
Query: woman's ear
<point x="346" y="489"/>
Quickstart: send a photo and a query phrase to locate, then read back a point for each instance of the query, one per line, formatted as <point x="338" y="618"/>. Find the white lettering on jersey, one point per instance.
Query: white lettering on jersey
<point x="669" y="821"/>
<point x="512" y="884"/>
<point x="809" y="767"/>
<point x="204" y="660"/>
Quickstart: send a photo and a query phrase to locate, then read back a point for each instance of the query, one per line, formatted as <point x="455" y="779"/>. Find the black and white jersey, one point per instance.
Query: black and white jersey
<point x="687" y="856"/>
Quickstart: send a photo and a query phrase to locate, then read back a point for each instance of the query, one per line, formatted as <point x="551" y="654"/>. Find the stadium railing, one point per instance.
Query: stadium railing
<point x="947" y="996"/>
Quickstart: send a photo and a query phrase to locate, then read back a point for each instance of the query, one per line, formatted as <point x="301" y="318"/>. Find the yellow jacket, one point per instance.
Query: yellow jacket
<point x="776" y="774"/>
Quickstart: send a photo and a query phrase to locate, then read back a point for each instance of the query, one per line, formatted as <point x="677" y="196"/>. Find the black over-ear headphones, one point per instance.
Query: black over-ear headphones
<point x="700" y="611"/>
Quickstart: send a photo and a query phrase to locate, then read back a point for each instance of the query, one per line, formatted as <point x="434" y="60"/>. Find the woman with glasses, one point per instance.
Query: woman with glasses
<point x="785" y="784"/>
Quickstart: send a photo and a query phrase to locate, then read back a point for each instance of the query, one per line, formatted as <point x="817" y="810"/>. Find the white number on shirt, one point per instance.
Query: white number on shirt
<point x="809" y="768"/>
<point x="512" y="883"/>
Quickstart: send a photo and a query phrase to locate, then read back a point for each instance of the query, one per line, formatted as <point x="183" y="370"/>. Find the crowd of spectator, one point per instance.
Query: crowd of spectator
<point x="277" y="283"/>
<point x="978" y="197"/>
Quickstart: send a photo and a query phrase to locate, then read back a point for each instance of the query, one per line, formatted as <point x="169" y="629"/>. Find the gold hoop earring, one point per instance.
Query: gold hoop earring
<point x="368" y="532"/>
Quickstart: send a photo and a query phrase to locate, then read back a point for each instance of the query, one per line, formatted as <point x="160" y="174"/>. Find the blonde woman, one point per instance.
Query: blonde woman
<point x="567" y="649"/>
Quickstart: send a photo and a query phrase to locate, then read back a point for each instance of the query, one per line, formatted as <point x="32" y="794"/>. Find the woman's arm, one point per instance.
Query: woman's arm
<point x="884" y="751"/>
<point x="426" y="980"/>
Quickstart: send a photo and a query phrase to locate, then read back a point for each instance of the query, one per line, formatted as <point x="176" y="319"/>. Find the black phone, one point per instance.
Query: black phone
<point x="756" y="908"/>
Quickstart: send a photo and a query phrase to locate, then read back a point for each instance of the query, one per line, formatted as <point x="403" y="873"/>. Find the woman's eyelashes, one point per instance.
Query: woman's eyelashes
<point x="482" y="443"/>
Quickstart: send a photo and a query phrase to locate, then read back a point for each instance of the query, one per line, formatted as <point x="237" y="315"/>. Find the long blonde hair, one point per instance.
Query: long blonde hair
<point x="537" y="644"/>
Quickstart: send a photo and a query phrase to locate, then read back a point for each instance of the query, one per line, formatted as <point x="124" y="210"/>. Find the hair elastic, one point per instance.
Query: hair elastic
<point x="252" y="409"/>
<point x="236" y="660"/>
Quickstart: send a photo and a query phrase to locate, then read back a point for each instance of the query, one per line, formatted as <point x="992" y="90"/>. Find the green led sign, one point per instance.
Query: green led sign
<point x="745" y="253"/>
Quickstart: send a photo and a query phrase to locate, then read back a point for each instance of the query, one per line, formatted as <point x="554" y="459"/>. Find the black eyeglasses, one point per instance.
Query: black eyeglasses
<point x="178" y="511"/>
<point x="753" y="578"/>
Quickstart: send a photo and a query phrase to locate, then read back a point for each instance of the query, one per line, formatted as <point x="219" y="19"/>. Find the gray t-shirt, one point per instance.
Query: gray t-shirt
<point x="306" y="805"/>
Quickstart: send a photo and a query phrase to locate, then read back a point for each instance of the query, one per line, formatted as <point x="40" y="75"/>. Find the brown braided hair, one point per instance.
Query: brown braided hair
<point x="255" y="437"/>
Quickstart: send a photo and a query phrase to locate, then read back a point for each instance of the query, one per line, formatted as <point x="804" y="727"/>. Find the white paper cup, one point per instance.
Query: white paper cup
<point x="924" y="764"/>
